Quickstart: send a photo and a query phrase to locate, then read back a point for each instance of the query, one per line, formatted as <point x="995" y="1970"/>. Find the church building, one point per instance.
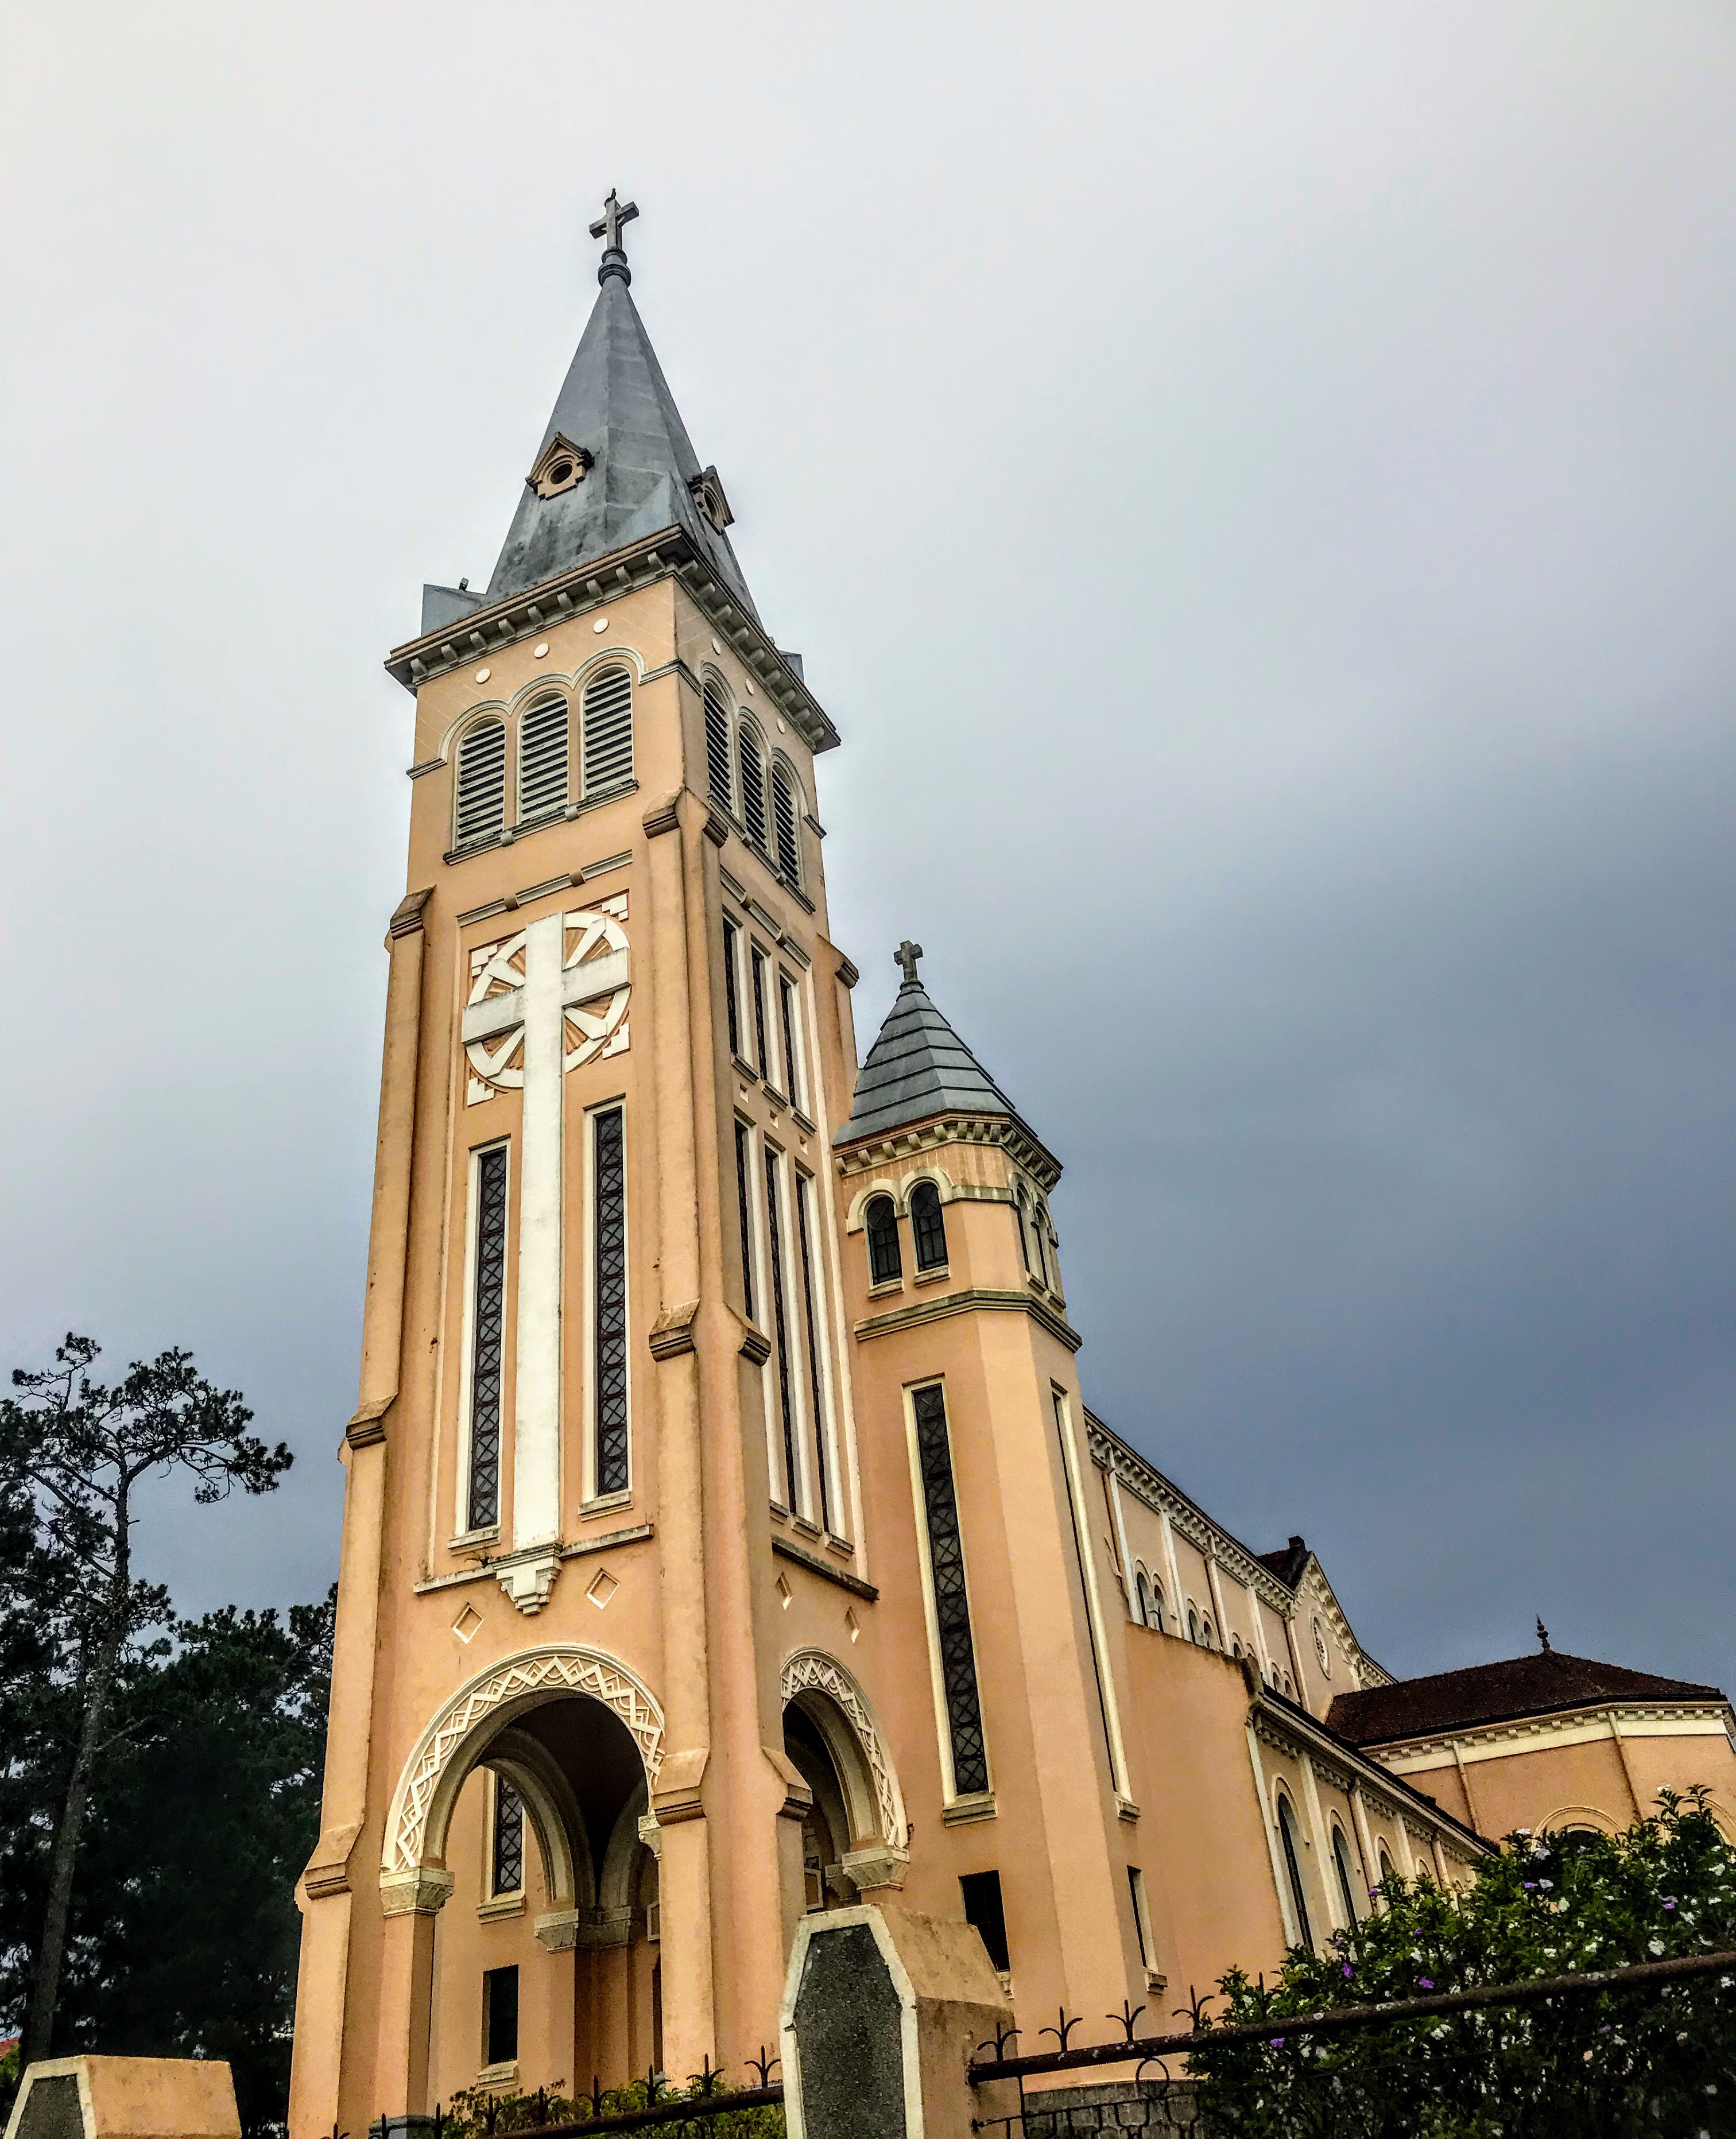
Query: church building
<point x="726" y="1535"/>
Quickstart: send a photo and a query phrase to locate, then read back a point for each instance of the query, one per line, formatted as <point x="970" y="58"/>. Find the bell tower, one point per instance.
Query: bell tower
<point x="603" y="1350"/>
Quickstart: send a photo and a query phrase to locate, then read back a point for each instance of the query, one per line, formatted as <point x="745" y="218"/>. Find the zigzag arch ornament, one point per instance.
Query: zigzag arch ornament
<point x="812" y="1671"/>
<point x="557" y="1668"/>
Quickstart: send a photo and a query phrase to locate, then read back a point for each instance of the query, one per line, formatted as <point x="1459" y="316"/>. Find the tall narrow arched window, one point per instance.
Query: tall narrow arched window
<point x="1293" y="1865"/>
<point x="785" y="811"/>
<point x="1193" y="1625"/>
<point x="928" y="1228"/>
<point x="542" y="745"/>
<point x="1347" y="1885"/>
<point x="1208" y="1640"/>
<point x="606" y="724"/>
<point x="1142" y="1600"/>
<point x="1156" y="1618"/>
<point x="718" y="783"/>
<point x="480" y="805"/>
<point x="753" y="783"/>
<point x="885" y="1263"/>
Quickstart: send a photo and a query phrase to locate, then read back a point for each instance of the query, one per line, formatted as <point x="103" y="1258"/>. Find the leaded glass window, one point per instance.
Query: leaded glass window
<point x="928" y="1229"/>
<point x="952" y="1604"/>
<point x="805" y="1227"/>
<point x="744" y="1202"/>
<point x="732" y="985"/>
<point x="786" y="1393"/>
<point x="717" y="740"/>
<point x="764" y="1055"/>
<point x="885" y="1264"/>
<point x="487" y="1310"/>
<point x="787" y="1017"/>
<point x="609" y="1301"/>
<point x="509" y="1838"/>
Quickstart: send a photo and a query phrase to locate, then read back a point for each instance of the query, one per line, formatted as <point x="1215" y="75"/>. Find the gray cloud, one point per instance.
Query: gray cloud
<point x="1254" y="488"/>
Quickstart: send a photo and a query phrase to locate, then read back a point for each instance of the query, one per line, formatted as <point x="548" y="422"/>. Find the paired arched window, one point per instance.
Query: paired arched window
<point x="1293" y="1865"/>
<point x="1386" y="1865"/>
<point x="786" y="818"/>
<point x="480" y="809"/>
<point x="752" y="766"/>
<point x="1142" y="1598"/>
<point x="1347" y="1885"/>
<point x="1193" y="1626"/>
<point x="757" y="787"/>
<point x="1208" y="1640"/>
<point x="1157" y="1614"/>
<point x="885" y="1263"/>
<point x="544" y="751"/>
<point x="928" y="1228"/>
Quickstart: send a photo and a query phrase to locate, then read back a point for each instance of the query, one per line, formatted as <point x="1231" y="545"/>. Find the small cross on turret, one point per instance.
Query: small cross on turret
<point x="905" y="959"/>
<point x="608" y="227"/>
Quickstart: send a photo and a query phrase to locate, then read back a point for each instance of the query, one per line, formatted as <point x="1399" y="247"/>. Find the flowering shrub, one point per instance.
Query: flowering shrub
<point x="1655" y="2059"/>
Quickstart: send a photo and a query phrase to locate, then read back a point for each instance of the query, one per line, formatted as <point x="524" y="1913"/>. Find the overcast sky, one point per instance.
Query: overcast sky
<point x="1256" y="487"/>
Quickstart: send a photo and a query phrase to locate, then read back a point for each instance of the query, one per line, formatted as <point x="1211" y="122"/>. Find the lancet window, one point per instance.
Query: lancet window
<point x="788" y="1017"/>
<point x="763" y="1055"/>
<point x="1142" y="1598"/>
<point x="488" y="1252"/>
<point x="480" y="810"/>
<point x="732" y="984"/>
<point x="780" y="1334"/>
<point x="886" y="1266"/>
<point x="609" y="1299"/>
<point x="966" y="1744"/>
<point x="807" y="1229"/>
<point x="1293" y="1865"/>
<point x="508" y="1869"/>
<point x="1347" y="1885"/>
<point x="606" y="726"/>
<point x="927" y="1227"/>
<point x="744" y="1199"/>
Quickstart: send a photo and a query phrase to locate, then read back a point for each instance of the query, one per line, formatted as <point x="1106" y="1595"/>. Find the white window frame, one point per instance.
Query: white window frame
<point x="931" y="1616"/>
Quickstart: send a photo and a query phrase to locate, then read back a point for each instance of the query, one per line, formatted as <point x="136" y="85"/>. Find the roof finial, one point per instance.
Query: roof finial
<point x="608" y="227"/>
<point x="1543" y="1635"/>
<point x="905" y="958"/>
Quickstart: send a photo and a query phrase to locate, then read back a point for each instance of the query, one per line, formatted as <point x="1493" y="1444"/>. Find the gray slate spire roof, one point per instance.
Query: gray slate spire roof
<point x="917" y="1067"/>
<point x="615" y="404"/>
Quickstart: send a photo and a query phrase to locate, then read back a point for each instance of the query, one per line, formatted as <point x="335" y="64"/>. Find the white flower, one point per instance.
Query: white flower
<point x="1654" y="1945"/>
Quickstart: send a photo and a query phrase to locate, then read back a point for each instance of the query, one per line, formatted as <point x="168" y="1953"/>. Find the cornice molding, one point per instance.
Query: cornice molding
<point x="979" y="1299"/>
<point x="669" y="553"/>
<point x="1145" y="1482"/>
<point x="1006" y="1131"/>
<point x="1289" y="1728"/>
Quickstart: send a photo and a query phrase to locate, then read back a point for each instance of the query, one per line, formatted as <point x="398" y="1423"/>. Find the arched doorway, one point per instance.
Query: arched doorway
<point x="855" y="1832"/>
<point x="522" y="1807"/>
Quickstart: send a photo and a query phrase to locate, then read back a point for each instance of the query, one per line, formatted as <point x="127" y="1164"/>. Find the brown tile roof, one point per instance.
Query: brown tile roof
<point x="1493" y="1693"/>
<point x="1288" y="1564"/>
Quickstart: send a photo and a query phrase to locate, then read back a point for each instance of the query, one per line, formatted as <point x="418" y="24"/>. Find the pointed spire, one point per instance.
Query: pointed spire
<point x="622" y="466"/>
<point x="918" y="1067"/>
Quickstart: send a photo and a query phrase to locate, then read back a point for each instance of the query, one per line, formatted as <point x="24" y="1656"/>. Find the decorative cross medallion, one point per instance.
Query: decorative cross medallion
<point x="905" y="958"/>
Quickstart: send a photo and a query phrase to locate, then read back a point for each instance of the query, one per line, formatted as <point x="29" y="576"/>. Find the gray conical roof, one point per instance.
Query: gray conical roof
<point x="919" y="1067"/>
<point x="617" y="405"/>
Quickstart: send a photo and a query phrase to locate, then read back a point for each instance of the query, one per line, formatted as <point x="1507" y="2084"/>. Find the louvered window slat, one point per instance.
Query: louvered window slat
<point x="717" y="742"/>
<point x="542" y="753"/>
<point x="481" y="783"/>
<point x="753" y="787"/>
<point x="783" y="813"/>
<point x="607" y="725"/>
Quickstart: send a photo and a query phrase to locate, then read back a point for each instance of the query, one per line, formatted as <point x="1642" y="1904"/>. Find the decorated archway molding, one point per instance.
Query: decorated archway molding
<point x="451" y="1744"/>
<point x="812" y="1671"/>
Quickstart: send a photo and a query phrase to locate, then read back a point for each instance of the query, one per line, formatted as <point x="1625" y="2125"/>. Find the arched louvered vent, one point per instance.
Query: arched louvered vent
<point x="608" y="724"/>
<point x="717" y="740"/>
<point x="753" y="786"/>
<point x="482" y="801"/>
<point x="542" y="745"/>
<point x="785" y="813"/>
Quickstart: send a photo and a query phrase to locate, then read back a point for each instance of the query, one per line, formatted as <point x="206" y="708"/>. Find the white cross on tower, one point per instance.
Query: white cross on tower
<point x="547" y="985"/>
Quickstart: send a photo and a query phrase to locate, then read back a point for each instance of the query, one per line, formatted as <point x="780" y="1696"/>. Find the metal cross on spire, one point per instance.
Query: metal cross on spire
<point x="1542" y="1633"/>
<point x="608" y="227"/>
<point x="905" y="958"/>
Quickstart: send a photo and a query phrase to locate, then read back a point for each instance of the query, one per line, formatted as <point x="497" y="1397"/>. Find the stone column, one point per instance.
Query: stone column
<point x="405" y="2015"/>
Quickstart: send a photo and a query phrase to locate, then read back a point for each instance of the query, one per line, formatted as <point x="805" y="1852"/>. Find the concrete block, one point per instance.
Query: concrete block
<point x="92" y="2097"/>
